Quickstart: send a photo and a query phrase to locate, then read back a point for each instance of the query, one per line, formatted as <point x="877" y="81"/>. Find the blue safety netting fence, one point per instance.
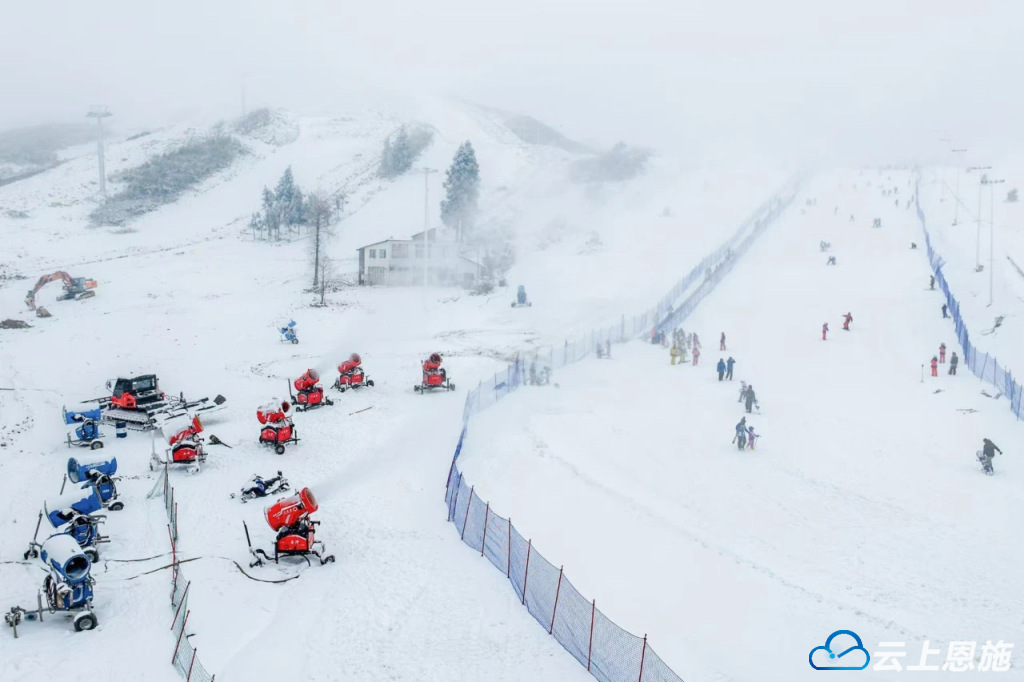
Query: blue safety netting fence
<point x="984" y="366"/>
<point x="610" y="653"/>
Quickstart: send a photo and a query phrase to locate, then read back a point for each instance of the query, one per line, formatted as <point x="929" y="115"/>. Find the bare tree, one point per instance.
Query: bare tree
<point x="319" y="212"/>
<point x="326" y="273"/>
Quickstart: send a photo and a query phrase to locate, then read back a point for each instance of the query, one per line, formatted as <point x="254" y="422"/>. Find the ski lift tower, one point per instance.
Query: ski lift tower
<point x="100" y="113"/>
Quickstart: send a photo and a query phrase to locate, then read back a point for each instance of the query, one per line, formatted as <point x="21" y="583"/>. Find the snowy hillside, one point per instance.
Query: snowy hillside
<point x="863" y="506"/>
<point x="187" y="294"/>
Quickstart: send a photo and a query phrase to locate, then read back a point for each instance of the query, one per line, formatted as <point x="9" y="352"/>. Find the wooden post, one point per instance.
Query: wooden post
<point x="465" y="520"/>
<point x="183" y="599"/>
<point x="643" y="655"/>
<point x="590" y="647"/>
<point x="188" y="678"/>
<point x="554" y="609"/>
<point x="508" y="566"/>
<point x="526" y="575"/>
<point x="180" y="635"/>
<point x="483" y="543"/>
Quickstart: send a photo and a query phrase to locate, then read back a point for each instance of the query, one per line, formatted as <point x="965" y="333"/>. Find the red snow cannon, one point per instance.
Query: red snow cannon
<point x="187" y="446"/>
<point x="296" y="532"/>
<point x="277" y="429"/>
<point x="310" y="395"/>
<point x="351" y="374"/>
<point x="434" y="376"/>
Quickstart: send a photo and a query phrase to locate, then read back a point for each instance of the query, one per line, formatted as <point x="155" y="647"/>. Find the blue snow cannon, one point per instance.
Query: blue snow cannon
<point x="520" y="298"/>
<point x="288" y="332"/>
<point x="98" y="474"/>
<point x="87" y="428"/>
<point x="72" y="515"/>
<point x="69" y="586"/>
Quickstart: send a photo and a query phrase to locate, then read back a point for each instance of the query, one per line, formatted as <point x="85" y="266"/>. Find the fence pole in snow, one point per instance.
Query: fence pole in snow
<point x="508" y="565"/>
<point x="465" y="520"/>
<point x="170" y="534"/>
<point x="183" y="596"/>
<point x="455" y="498"/>
<point x="984" y="365"/>
<point x="487" y="514"/>
<point x="590" y="647"/>
<point x="188" y="678"/>
<point x="554" y="609"/>
<point x="180" y="635"/>
<point x="643" y="655"/>
<point x="175" y="519"/>
<point x="526" y="574"/>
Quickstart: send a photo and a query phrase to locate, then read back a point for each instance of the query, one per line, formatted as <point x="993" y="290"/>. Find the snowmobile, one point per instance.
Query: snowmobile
<point x="100" y="475"/>
<point x="186" y="448"/>
<point x="434" y="376"/>
<point x="521" y="300"/>
<point x="351" y="374"/>
<point x="139" y="403"/>
<point x="68" y="587"/>
<point x="87" y="432"/>
<point x="262" y="487"/>
<point x="288" y="332"/>
<point x="296" y="532"/>
<point x="310" y="394"/>
<point x="277" y="429"/>
<point x="74" y="514"/>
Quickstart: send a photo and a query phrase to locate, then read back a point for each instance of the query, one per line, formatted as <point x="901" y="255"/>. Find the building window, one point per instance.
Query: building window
<point x="373" y="253"/>
<point x="382" y="253"/>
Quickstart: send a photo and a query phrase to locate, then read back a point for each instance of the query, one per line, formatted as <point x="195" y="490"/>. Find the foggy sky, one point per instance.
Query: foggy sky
<point x="871" y="80"/>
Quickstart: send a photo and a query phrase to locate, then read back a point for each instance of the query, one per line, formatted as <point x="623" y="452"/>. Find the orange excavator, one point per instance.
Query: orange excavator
<point x="75" y="288"/>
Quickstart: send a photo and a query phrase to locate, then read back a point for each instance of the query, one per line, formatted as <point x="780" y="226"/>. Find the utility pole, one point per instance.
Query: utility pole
<point x="991" y="234"/>
<point x="426" y="223"/>
<point x="956" y="197"/>
<point x="100" y="113"/>
<point x="981" y="186"/>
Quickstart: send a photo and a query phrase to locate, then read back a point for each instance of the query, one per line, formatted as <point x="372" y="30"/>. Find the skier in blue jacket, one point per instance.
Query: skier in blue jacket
<point x="721" y="369"/>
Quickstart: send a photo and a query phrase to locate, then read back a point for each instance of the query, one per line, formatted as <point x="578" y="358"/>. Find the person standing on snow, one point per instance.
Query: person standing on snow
<point x="931" y="285"/>
<point x="751" y="437"/>
<point x="935" y="366"/>
<point x="721" y="369"/>
<point x="847" y="319"/>
<point x="741" y="433"/>
<point x="751" y="398"/>
<point x="743" y="391"/>
<point x="824" y="332"/>
<point x="942" y="353"/>
<point x="696" y="354"/>
<point x="988" y="451"/>
<point x="696" y="340"/>
<point x="944" y="313"/>
<point x="721" y="342"/>
<point x="953" y="362"/>
<point x="728" y="367"/>
<point x="674" y="353"/>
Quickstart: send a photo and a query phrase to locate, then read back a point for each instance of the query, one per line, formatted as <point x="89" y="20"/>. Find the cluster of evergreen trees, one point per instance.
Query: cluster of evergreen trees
<point x="285" y="206"/>
<point x="462" y="190"/>
<point x="402" y="149"/>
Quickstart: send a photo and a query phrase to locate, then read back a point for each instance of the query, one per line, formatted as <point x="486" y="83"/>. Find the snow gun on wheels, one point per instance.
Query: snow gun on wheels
<point x="434" y="376"/>
<point x="74" y="514"/>
<point x="262" y="487"/>
<point x="310" y="394"/>
<point x="521" y="300"/>
<point x="75" y="288"/>
<point x="351" y="374"/>
<point x="278" y="429"/>
<point x="186" y="448"/>
<point x="296" y="532"/>
<point x="139" y="403"/>
<point x="67" y="588"/>
<point x="99" y="475"/>
<point x="288" y="332"/>
<point x="87" y="428"/>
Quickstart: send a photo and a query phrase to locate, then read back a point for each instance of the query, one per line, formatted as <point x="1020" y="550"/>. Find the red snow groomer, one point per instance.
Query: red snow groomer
<point x="434" y="376"/>
<point x="186" y="448"/>
<point x="296" y="532"/>
<point x="310" y="395"/>
<point x="351" y="374"/>
<point x="277" y="429"/>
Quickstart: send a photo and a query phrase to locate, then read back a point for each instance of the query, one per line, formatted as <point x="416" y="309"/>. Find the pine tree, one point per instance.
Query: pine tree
<point x="284" y="193"/>
<point x="462" y="189"/>
<point x="386" y="160"/>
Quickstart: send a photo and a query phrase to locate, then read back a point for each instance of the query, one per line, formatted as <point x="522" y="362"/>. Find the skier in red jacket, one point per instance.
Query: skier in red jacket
<point x="847" y="319"/>
<point x="824" y="332"/>
<point x="942" y="353"/>
<point x="935" y="366"/>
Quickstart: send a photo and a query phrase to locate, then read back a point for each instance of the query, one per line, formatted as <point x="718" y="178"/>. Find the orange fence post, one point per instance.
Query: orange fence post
<point x="178" y="610"/>
<point x="643" y="655"/>
<point x="554" y="610"/>
<point x="180" y="635"/>
<point x="188" y="678"/>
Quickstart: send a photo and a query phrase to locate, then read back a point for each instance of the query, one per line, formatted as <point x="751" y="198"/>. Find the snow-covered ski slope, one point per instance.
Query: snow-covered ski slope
<point x="863" y="506"/>
<point x="963" y="246"/>
<point x="188" y="295"/>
